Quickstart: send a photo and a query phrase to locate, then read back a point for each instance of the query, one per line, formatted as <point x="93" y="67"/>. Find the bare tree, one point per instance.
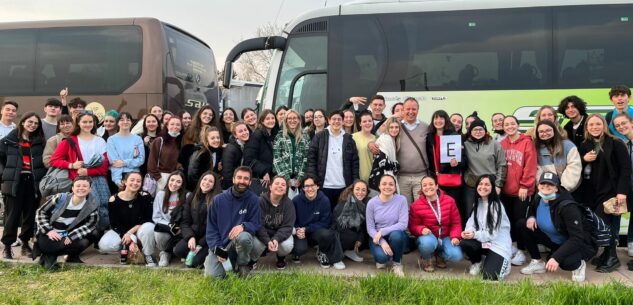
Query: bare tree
<point x="252" y="66"/>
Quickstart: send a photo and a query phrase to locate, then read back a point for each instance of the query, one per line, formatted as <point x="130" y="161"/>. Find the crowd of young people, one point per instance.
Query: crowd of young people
<point x="220" y="193"/>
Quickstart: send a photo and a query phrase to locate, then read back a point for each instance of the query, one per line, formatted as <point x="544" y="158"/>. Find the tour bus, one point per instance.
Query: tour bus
<point x="127" y="64"/>
<point x="509" y="56"/>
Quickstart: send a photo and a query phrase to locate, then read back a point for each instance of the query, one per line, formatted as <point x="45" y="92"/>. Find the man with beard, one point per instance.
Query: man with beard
<point x="233" y="219"/>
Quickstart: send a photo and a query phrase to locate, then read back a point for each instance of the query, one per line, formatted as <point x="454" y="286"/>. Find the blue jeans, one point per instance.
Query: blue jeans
<point x="427" y="244"/>
<point x="397" y="240"/>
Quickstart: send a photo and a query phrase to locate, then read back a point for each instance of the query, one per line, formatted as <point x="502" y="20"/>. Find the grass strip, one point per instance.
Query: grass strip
<point x="30" y="284"/>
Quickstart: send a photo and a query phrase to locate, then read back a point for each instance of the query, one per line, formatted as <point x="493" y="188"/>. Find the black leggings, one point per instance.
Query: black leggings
<point x="516" y="210"/>
<point x="533" y="238"/>
<point x="494" y="267"/>
<point x="326" y="239"/>
<point x="57" y="247"/>
<point x="349" y="238"/>
<point x="181" y="250"/>
<point x="19" y="211"/>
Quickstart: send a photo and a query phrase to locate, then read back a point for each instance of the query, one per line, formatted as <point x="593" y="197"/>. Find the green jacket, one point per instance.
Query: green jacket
<point x="285" y="161"/>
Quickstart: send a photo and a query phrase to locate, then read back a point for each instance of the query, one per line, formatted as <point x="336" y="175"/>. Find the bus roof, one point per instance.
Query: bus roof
<point x="404" y="6"/>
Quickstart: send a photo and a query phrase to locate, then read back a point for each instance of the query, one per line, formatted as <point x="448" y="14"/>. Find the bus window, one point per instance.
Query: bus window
<point x="599" y="62"/>
<point x="17" y="61"/>
<point x="314" y="92"/>
<point x="358" y="57"/>
<point x="91" y="60"/>
<point x="192" y="61"/>
<point x="304" y="53"/>
<point x="468" y="50"/>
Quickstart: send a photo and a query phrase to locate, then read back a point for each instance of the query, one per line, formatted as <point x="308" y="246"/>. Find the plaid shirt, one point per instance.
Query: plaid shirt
<point x="283" y="156"/>
<point x="79" y="229"/>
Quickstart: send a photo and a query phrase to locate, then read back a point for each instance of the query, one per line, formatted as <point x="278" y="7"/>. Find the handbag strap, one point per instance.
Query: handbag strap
<point x="415" y="145"/>
<point x="159" y="151"/>
<point x="73" y="146"/>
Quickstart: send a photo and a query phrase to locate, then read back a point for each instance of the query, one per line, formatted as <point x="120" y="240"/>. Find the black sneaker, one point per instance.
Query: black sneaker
<point x="7" y="254"/>
<point x="26" y="250"/>
<point x="74" y="259"/>
<point x="244" y="271"/>
<point x="322" y="258"/>
<point x="296" y="259"/>
<point x="281" y="262"/>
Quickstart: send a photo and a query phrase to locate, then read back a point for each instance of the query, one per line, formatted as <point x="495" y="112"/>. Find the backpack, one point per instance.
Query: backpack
<point x="600" y="232"/>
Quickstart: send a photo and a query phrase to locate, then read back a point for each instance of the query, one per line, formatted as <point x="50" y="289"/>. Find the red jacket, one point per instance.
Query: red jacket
<point x="421" y="216"/>
<point x="64" y="155"/>
<point x="521" y="157"/>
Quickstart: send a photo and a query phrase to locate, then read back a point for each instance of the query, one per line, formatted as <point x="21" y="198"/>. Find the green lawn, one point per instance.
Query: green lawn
<point x="114" y="286"/>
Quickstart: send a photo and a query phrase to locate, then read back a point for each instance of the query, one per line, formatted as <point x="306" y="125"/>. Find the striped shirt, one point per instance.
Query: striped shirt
<point x="68" y="216"/>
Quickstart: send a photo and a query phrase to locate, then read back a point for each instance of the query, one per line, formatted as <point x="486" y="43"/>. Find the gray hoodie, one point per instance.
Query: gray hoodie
<point x="485" y="159"/>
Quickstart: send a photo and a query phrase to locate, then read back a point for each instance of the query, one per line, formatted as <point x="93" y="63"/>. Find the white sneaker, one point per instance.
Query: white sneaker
<point x="353" y="256"/>
<point x="397" y="270"/>
<point x="380" y="266"/>
<point x="475" y="269"/>
<point x="578" y="275"/>
<point x="535" y="266"/>
<point x="339" y="265"/>
<point x="518" y="259"/>
<point x="630" y="248"/>
<point x="165" y="257"/>
<point x="514" y="250"/>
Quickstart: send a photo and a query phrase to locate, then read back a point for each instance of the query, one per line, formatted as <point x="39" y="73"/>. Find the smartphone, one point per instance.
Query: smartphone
<point x="221" y="252"/>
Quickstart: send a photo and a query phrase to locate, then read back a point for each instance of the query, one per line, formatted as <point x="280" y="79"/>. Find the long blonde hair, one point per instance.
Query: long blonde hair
<point x="390" y="121"/>
<point x="605" y="132"/>
<point x="298" y="132"/>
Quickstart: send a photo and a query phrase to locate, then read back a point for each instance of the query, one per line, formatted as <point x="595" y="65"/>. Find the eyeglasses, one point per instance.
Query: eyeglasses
<point x="478" y="129"/>
<point x="309" y="186"/>
<point x="318" y="117"/>
<point x="546" y="131"/>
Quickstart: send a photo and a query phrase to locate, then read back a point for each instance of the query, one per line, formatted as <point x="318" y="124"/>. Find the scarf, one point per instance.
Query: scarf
<point x="387" y="146"/>
<point x="353" y="214"/>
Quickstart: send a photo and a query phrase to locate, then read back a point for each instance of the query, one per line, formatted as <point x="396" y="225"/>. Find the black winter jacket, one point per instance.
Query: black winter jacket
<point x="258" y="153"/>
<point x="610" y="172"/>
<point x="568" y="220"/>
<point x="11" y="163"/>
<point x="579" y="135"/>
<point x="194" y="221"/>
<point x="200" y="162"/>
<point x="317" y="157"/>
<point x="231" y="159"/>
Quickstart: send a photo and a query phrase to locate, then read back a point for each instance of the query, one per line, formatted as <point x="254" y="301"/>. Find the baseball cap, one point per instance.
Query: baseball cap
<point x="549" y="178"/>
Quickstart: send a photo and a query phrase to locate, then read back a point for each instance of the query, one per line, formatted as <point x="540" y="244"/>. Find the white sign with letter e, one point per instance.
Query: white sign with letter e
<point x="450" y="148"/>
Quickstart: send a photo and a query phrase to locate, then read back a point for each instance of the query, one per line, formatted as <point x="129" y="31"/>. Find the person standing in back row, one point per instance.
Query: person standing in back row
<point x="333" y="158"/>
<point x="412" y="151"/>
<point x="620" y="96"/>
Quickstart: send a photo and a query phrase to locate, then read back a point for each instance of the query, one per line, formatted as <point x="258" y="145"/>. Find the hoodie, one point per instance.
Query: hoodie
<point x="485" y="158"/>
<point x="230" y="209"/>
<point x="312" y="214"/>
<point x="277" y="221"/>
<point x="521" y="160"/>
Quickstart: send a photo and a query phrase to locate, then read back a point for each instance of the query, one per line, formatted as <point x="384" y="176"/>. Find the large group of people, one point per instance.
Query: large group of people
<point x="219" y="192"/>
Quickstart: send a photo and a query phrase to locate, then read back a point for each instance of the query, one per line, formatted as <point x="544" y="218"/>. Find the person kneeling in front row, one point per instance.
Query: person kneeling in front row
<point x="556" y="221"/>
<point x="64" y="222"/>
<point x="312" y="226"/>
<point x="234" y="218"/>
<point x="278" y="219"/>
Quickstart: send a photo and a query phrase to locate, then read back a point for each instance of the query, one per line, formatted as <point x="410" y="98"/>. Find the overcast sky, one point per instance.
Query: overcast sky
<point x="221" y="24"/>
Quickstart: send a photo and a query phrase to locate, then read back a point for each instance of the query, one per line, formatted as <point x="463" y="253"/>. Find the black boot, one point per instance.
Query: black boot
<point x="50" y="262"/>
<point x="26" y="249"/>
<point x="599" y="258"/>
<point x="611" y="262"/>
<point x="7" y="254"/>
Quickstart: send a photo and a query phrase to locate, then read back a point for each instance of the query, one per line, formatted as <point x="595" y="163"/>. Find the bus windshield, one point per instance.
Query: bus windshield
<point x="192" y="61"/>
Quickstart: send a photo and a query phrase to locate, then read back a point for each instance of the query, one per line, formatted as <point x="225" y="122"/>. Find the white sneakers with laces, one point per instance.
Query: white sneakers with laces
<point x="535" y="266"/>
<point x="475" y="269"/>
<point x="339" y="265"/>
<point x="578" y="275"/>
<point x="351" y="254"/>
<point x="518" y="258"/>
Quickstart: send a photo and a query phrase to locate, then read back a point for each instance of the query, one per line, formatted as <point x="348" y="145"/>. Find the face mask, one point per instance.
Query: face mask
<point x="547" y="197"/>
<point x="173" y="134"/>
